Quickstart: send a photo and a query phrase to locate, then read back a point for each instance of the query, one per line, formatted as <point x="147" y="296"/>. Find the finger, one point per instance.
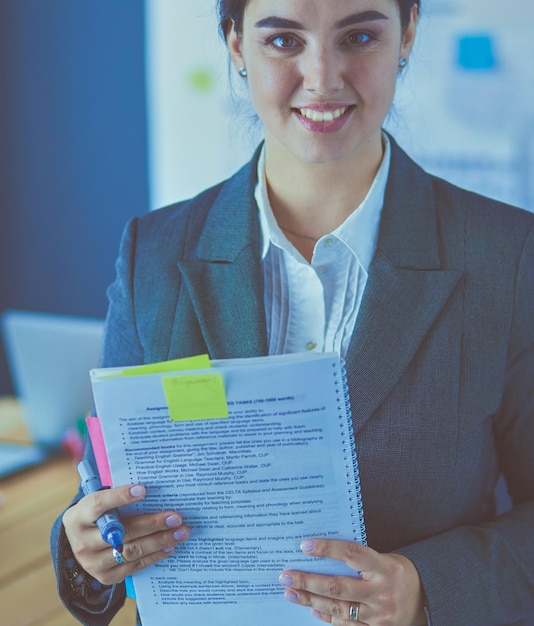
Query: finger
<point x="86" y="540"/>
<point x="154" y="542"/>
<point x="107" y="571"/>
<point x="164" y="530"/>
<point x="94" y="505"/>
<point x="360" y="558"/>
<point x="148" y="524"/>
<point x="343" y="588"/>
<point x="144" y="535"/>
<point x="138" y="554"/>
<point x="79" y="520"/>
<point x="328" y="609"/>
<point x="335" y="621"/>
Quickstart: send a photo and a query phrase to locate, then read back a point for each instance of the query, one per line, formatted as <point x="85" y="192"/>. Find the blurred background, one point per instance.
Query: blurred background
<point x="111" y="108"/>
<point x="73" y="150"/>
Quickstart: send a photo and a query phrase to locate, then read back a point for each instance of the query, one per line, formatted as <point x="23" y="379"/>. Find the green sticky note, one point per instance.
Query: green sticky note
<point x="195" y="397"/>
<point x="200" y="362"/>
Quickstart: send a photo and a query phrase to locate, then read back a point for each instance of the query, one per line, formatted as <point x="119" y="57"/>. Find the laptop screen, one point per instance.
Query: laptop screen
<point x="49" y="357"/>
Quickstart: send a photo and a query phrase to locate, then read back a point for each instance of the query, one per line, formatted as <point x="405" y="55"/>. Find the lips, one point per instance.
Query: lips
<point x="323" y="116"/>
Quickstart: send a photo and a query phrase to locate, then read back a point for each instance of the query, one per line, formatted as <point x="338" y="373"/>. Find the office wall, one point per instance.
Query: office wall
<point x="73" y="164"/>
<point x="200" y="129"/>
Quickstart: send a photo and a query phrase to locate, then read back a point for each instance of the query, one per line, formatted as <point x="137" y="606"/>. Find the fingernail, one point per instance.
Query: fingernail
<point x="180" y="534"/>
<point x="168" y="550"/>
<point x="286" y="580"/>
<point x="173" y="521"/>
<point x="291" y="596"/>
<point x="137" y="491"/>
<point x="308" y="545"/>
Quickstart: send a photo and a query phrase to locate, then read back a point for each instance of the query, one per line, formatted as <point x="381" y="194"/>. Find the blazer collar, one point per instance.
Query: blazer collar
<point x="232" y="223"/>
<point x="408" y="286"/>
<point x="408" y="234"/>
<point x="222" y="272"/>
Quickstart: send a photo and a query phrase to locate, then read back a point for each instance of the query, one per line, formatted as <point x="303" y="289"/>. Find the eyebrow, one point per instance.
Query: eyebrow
<point x="350" y="20"/>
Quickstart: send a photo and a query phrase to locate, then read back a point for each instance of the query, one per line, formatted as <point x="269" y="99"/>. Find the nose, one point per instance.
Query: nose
<point x="322" y="71"/>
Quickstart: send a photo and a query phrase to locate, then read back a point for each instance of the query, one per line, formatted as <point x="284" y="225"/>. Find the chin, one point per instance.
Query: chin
<point x="322" y="156"/>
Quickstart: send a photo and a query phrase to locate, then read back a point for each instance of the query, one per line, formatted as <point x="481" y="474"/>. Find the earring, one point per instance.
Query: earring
<point x="243" y="72"/>
<point x="402" y="64"/>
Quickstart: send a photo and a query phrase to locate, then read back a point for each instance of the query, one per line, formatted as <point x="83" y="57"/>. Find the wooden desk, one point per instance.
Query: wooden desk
<point x="33" y="499"/>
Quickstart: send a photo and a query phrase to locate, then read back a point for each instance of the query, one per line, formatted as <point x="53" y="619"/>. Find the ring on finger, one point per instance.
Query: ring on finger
<point x="354" y="612"/>
<point x="119" y="557"/>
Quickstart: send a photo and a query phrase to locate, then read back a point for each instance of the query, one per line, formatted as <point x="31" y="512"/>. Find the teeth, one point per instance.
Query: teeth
<point x="327" y="116"/>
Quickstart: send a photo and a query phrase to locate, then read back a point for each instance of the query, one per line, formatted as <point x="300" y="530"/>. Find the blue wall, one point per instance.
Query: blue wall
<point x="73" y="149"/>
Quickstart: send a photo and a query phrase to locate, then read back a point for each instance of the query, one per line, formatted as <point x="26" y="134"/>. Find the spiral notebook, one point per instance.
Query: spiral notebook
<point x="256" y="454"/>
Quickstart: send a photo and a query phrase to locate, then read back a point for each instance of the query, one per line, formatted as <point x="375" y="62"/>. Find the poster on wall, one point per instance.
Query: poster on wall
<point x="465" y="108"/>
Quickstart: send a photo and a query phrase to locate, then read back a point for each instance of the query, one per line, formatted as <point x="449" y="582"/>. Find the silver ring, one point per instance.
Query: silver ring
<point x="119" y="558"/>
<point x="354" y="612"/>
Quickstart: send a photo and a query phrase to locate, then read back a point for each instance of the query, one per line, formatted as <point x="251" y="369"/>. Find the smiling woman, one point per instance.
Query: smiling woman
<point x="331" y="239"/>
<point x="322" y="78"/>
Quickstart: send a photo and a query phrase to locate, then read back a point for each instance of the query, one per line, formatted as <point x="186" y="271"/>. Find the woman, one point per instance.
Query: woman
<point x="331" y="238"/>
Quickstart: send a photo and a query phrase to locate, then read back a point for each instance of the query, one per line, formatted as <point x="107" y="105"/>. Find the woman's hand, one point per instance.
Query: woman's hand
<point x="148" y="538"/>
<point x="389" y="593"/>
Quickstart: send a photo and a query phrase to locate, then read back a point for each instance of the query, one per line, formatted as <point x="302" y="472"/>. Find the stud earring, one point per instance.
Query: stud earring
<point x="402" y="64"/>
<point x="243" y="72"/>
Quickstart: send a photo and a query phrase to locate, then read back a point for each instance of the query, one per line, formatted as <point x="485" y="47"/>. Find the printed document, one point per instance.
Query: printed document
<point x="253" y="474"/>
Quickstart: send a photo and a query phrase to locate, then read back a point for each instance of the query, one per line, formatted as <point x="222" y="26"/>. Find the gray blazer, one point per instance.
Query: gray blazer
<point x="440" y="366"/>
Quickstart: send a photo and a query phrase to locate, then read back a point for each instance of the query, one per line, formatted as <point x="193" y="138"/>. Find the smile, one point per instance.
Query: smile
<point x="323" y="116"/>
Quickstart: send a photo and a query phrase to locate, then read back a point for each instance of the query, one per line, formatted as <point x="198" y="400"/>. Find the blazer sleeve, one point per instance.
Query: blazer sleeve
<point x="121" y="347"/>
<point x="484" y="574"/>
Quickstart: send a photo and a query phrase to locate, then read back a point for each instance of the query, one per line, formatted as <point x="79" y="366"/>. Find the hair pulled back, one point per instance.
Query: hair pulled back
<point x="233" y="10"/>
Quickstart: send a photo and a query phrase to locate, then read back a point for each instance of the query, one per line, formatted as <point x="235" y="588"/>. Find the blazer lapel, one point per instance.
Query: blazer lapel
<point x="407" y="288"/>
<point x="223" y="275"/>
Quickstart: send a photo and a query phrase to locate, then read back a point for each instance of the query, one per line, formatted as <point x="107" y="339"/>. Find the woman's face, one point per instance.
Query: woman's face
<point x="321" y="73"/>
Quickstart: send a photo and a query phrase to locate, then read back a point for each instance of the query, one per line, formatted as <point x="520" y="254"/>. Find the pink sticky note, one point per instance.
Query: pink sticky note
<point x="94" y="429"/>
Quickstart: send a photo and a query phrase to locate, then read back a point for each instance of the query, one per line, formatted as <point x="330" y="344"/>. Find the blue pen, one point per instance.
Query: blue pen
<point x="109" y="524"/>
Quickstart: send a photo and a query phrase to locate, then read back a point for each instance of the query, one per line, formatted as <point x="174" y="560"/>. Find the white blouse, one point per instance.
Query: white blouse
<point x="313" y="306"/>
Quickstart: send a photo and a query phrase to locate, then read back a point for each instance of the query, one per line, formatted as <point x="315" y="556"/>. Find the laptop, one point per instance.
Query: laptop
<point x="49" y="358"/>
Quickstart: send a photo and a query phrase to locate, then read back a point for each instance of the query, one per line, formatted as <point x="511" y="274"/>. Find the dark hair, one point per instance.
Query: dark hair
<point x="233" y="10"/>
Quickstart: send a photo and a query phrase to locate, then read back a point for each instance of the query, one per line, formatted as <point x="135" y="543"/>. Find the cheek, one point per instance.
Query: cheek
<point x="378" y="85"/>
<point x="271" y="91"/>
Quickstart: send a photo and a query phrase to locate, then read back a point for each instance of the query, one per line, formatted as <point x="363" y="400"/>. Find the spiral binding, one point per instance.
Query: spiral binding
<point x="351" y="459"/>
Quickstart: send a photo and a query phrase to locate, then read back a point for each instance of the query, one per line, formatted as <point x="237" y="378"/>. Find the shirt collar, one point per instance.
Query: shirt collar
<point x="359" y="232"/>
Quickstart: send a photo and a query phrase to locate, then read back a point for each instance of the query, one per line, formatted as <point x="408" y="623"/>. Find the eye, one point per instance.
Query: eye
<point x="284" y="42"/>
<point x="358" y="38"/>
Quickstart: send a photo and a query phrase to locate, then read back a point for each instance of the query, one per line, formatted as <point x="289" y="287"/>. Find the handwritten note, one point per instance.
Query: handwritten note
<point x="195" y="397"/>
